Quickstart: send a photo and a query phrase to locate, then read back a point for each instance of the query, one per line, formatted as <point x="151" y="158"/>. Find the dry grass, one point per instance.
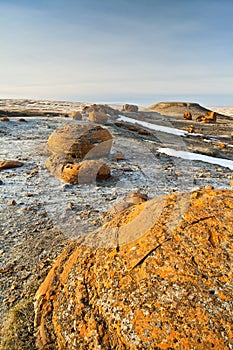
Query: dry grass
<point x="17" y="333"/>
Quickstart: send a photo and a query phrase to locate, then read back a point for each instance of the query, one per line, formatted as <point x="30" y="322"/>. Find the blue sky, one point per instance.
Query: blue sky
<point x="117" y="51"/>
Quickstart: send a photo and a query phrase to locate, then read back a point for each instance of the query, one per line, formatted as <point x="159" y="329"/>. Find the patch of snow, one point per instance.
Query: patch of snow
<point x="155" y="127"/>
<point x="195" y="156"/>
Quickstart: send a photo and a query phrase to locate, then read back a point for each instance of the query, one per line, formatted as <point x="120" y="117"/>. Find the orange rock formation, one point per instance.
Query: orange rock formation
<point x="158" y="276"/>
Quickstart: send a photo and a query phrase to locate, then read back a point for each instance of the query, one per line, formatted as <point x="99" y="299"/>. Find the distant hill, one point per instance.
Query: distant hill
<point x="177" y="109"/>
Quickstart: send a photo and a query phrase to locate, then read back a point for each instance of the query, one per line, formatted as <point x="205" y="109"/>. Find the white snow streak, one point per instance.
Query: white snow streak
<point x="195" y="156"/>
<point x="155" y="127"/>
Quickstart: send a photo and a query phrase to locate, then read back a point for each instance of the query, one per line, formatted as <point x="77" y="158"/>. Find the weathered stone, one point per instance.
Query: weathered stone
<point x="9" y="164"/>
<point x="11" y="203"/>
<point x="101" y="108"/>
<point x="210" y="117"/>
<point x="56" y="162"/>
<point x="136" y="197"/>
<point x="81" y="141"/>
<point x="118" y="156"/>
<point x="144" y="132"/>
<point x="5" y="119"/>
<point x="129" y="108"/>
<point x="119" y="207"/>
<point x="76" y="115"/>
<point x="98" y="117"/>
<point x="200" y="117"/>
<point x="187" y="115"/>
<point x="158" y="276"/>
<point x="86" y="172"/>
<point x="21" y="120"/>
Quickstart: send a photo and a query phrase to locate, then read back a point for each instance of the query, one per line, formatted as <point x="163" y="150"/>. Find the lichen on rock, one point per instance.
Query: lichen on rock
<point x="166" y="284"/>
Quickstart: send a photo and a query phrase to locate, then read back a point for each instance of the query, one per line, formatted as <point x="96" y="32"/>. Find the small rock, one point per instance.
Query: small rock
<point x="28" y="195"/>
<point x="22" y="120"/>
<point x="86" y="172"/>
<point x="11" y="202"/>
<point x="70" y="205"/>
<point x="5" y="119"/>
<point x="9" y="164"/>
<point x="119" y="207"/>
<point x="136" y="197"/>
<point x="118" y="156"/>
<point x="143" y="132"/>
<point x="209" y="187"/>
<point x="221" y="145"/>
<point x="187" y="116"/>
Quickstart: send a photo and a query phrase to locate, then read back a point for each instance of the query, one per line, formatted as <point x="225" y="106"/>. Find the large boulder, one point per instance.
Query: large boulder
<point x="129" y="108"/>
<point x="158" y="276"/>
<point x="80" y="141"/>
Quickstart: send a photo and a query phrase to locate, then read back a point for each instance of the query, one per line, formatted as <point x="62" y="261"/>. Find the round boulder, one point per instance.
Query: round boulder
<point x="80" y="141"/>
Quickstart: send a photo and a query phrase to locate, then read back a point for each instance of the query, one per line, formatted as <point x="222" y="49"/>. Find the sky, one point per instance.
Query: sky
<point x="130" y="51"/>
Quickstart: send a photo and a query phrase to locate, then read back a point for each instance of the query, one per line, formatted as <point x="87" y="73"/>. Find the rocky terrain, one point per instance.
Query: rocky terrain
<point x="40" y="216"/>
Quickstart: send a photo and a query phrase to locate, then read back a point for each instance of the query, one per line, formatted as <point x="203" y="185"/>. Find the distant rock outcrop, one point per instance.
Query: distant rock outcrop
<point x="177" y="109"/>
<point x="129" y="108"/>
<point x="159" y="274"/>
<point x="109" y="111"/>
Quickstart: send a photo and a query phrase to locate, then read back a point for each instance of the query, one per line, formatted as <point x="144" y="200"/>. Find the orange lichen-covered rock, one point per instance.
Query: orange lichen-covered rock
<point x="77" y="140"/>
<point x="157" y="276"/>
